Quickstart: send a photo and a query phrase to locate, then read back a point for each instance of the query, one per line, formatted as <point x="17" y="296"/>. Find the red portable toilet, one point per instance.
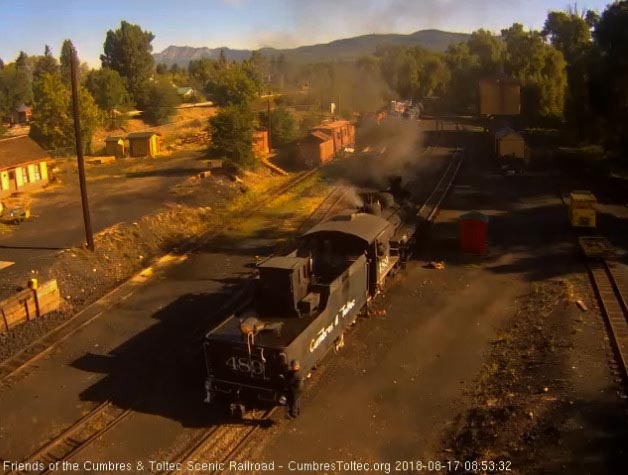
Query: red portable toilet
<point x="473" y="232"/>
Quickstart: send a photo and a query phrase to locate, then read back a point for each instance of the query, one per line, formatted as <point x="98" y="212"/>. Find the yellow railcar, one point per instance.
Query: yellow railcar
<point x="582" y="209"/>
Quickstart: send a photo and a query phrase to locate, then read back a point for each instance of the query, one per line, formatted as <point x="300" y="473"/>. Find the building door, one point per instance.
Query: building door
<point x="12" y="181"/>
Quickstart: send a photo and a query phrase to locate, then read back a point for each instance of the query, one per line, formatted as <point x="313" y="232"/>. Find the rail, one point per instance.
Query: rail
<point x="16" y="364"/>
<point x="79" y="436"/>
<point x="106" y="416"/>
<point x="219" y="444"/>
<point x="612" y="302"/>
<point x="222" y="443"/>
<point x="324" y="209"/>
<point x="429" y="209"/>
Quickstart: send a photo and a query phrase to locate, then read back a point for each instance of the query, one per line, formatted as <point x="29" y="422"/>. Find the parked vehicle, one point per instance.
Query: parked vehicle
<point x="582" y="209"/>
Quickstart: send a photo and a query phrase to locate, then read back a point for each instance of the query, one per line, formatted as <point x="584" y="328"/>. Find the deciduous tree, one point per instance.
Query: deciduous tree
<point x="283" y="126"/>
<point x="108" y="90"/>
<point x="231" y="86"/>
<point x="609" y="88"/>
<point x="540" y="68"/>
<point x="45" y="64"/>
<point x="52" y="123"/>
<point x="231" y="132"/>
<point x="161" y="102"/>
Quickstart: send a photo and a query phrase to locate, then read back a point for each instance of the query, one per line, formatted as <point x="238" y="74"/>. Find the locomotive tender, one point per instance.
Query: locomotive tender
<point x="304" y="302"/>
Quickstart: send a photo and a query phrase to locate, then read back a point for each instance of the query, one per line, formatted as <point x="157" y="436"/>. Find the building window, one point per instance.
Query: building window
<point x="24" y="175"/>
<point x="36" y="172"/>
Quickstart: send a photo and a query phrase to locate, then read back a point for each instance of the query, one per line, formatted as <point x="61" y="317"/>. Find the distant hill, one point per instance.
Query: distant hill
<point x="345" y="49"/>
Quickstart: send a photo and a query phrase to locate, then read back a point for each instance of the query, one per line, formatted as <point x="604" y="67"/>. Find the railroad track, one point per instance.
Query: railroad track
<point x="222" y="443"/>
<point x="106" y="416"/>
<point x="79" y="436"/>
<point x="218" y="444"/>
<point x="608" y="285"/>
<point x="429" y="209"/>
<point x="324" y="209"/>
<point x="13" y="366"/>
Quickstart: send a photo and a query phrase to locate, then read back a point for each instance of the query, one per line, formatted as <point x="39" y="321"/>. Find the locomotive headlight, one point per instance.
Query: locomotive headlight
<point x="282" y="400"/>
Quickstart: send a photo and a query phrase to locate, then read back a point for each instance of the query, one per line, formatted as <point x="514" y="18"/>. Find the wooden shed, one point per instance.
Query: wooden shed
<point x="115" y="146"/>
<point x="509" y="143"/>
<point x="144" y="144"/>
<point x="23" y="114"/>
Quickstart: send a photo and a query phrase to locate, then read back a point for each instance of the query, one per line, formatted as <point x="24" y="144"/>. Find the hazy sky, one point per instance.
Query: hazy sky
<point x="30" y="24"/>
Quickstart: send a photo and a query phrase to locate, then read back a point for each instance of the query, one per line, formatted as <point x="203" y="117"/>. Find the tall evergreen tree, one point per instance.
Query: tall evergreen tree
<point x="128" y="51"/>
<point x="23" y="85"/>
<point x="45" y="64"/>
<point x="67" y="48"/>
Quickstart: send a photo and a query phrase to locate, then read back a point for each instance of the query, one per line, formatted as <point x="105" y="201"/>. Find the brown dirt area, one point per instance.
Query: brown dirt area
<point x="187" y="121"/>
<point x="124" y="249"/>
<point x="548" y="399"/>
<point x="542" y="402"/>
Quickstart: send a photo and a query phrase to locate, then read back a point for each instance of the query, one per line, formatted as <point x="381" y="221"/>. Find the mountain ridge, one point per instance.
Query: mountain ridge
<point x="343" y="49"/>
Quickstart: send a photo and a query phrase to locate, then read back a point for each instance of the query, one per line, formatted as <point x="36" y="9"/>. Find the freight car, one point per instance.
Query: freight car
<point x="303" y="304"/>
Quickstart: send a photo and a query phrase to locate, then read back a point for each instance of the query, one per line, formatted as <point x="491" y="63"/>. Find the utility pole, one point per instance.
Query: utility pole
<point x="270" y="124"/>
<point x="89" y="236"/>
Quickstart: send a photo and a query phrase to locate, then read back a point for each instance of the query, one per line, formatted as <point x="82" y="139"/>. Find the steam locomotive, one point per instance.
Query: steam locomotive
<point x="305" y="301"/>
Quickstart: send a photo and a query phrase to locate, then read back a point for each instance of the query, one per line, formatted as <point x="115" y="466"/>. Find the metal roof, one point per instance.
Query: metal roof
<point x="333" y="124"/>
<point x="474" y="215"/>
<point x="19" y="151"/>
<point x="361" y="225"/>
<point x="501" y="133"/>
<point x="582" y="195"/>
<point x="141" y="135"/>
<point x="283" y="262"/>
<point x="318" y="135"/>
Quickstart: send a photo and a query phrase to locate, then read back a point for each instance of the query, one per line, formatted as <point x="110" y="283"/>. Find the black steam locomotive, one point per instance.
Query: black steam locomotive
<point x="304" y="301"/>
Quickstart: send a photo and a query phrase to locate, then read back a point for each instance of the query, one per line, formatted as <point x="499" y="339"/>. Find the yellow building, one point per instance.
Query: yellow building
<point x="23" y="165"/>
<point x="144" y="144"/>
<point x="509" y="143"/>
<point x="115" y="146"/>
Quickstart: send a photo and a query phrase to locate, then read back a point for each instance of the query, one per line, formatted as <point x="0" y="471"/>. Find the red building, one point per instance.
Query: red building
<point x="260" y="143"/>
<point x="342" y="133"/>
<point x="316" y="149"/>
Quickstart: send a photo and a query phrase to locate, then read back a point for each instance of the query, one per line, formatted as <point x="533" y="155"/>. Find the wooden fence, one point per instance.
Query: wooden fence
<point x="29" y="304"/>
